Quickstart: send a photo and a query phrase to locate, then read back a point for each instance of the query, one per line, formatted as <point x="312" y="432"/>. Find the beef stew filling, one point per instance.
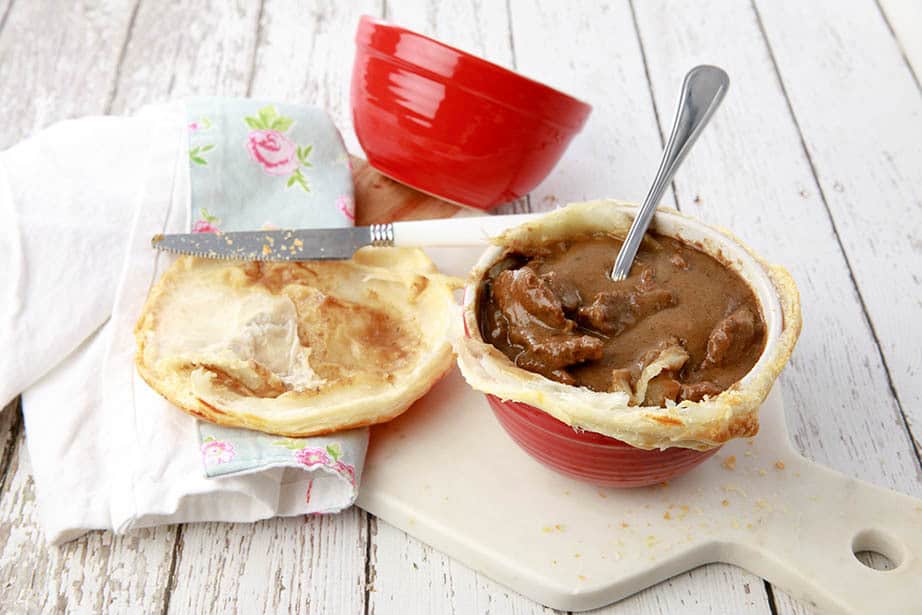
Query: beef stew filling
<point x="682" y="326"/>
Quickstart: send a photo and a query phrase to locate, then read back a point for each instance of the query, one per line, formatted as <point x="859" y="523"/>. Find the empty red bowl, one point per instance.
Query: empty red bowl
<point x="451" y="124"/>
<point x="590" y="456"/>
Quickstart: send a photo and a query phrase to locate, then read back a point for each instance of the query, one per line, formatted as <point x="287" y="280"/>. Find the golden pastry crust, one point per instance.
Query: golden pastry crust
<point x="699" y="425"/>
<point x="298" y="349"/>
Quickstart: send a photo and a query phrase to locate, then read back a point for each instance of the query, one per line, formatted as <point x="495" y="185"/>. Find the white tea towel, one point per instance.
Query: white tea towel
<point x="79" y="203"/>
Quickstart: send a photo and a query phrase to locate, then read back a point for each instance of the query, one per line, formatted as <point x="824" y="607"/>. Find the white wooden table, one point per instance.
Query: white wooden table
<point x="815" y="158"/>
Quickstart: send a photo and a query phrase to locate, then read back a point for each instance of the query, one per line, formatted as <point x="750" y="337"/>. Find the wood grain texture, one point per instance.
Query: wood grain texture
<point x="870" y="178"/>
<point x="380" y="199"/>
<point x="735" y="178"/>
<point x="409" y="576"/>
<point x="618" y="150"/>
<point x="904" y="18"/>
<point x="616" y="155"/>
<point x="749" y="172"/>
<point x="95" y="573"/>
<point x="180" y="49"/>
<point x="413" y="579"/>
<point x="312" y="564"/>
<point x="724" y="182"/>
<point x="306" y="52"/>
<point x="59" y="60"/>
<point x="10" y="426"/>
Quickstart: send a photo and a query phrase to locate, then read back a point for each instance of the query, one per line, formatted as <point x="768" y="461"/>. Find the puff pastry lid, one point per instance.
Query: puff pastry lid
<point x="699" y="425"/>
<point x="298" y="349"/>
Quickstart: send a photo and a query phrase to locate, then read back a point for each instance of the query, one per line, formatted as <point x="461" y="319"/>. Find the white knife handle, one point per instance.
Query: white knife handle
<point x="448" y="232"/>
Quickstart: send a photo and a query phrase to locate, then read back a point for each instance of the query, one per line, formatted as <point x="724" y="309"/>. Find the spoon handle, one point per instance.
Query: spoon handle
<point x="702" y="90"/>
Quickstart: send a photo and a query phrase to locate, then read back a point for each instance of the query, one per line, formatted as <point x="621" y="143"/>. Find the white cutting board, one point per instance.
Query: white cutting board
<point x="446" y="473"/>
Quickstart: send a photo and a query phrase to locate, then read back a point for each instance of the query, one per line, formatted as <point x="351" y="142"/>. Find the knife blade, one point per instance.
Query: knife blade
<point x="337" y="243"/>
<point x="276" y="245"/>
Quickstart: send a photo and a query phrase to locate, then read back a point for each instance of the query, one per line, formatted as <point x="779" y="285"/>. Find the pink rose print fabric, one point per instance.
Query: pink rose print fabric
<point x="270" y="147"/>
<point x="269" y="165"/>
<point x="206" y="224"/>
<point x="216" y="452"/>
<point x="313" y="456"/>
<point x="273" y="150"/>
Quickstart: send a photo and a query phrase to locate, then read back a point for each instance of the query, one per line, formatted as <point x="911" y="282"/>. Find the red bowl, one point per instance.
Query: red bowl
<point x="589" y="456"/>
<point x="451" y="124"/>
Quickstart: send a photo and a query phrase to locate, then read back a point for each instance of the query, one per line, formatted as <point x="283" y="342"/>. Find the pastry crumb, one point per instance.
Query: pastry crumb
<point x="667" y="516"/>
<point x="725" y="503"/>
<point x="730" y="462"/>
<point x="779" y="465"/>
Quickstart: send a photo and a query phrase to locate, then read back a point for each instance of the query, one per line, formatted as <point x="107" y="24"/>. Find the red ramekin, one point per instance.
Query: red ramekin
<point x="590" y="456"/>
<point x="451" y="124"/>
<point x="595" y="457"/>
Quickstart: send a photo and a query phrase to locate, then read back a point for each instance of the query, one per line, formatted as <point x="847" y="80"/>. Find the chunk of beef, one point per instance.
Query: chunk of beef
<point x="610" y="312"/>
<point x="731" y="338"/>
<point x="565" y="290"/>
<point x="523" y="296"/>
<point x="555" y="352"/>
<point x="536" y="323"/>
<point x="652" y="301"/>
<point x="699" y="390"/>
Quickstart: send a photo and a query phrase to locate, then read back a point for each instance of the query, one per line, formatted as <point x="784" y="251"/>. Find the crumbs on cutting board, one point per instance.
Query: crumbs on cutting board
<point x="779" y="465"/>
<point x="729" y="463"/>
<point x="557" y="527"/>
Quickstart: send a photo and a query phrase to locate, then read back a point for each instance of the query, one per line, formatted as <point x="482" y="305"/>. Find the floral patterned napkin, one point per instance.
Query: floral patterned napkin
<point x="262" y="165"/>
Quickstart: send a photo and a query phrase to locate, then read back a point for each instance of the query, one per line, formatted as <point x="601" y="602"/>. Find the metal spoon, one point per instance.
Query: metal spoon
<point x="702" y="90"/>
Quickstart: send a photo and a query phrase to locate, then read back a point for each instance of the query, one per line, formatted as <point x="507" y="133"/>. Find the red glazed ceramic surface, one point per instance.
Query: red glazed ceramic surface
<point x="589" y="456"/>
<point x="451" y="124"/>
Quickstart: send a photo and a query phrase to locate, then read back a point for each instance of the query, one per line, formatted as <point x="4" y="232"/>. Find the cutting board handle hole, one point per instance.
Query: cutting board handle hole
<point x="878" y="550"/>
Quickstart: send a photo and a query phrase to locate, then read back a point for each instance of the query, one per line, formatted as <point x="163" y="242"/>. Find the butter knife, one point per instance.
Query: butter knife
<point x="337" y="243"/>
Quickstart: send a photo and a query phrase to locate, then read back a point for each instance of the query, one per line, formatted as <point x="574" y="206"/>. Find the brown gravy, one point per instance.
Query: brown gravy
<point x="556" y="312"/>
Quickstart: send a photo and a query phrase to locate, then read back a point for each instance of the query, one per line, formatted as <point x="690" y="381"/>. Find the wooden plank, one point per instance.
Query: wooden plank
<point x="187" y="48"/>
<point x="904" y="18"/>
<point x="10" y="426"/>
<point x="306" y="54"/>
<point x="593" y="55"/>
<point x="616" y="155"/>
<point x="411" y="578"/>
<point x="871" y="178"/>
<point x="52" y="70"/>
<point x="406" y="575"/>
<point x="98" y="572"/>
<point x="839" y="407"/>
<point x="312" y="564"/>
